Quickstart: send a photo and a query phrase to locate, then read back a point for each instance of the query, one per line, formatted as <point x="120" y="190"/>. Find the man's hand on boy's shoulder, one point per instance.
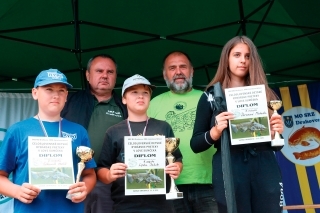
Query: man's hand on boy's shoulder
<point x="26" y="193"/>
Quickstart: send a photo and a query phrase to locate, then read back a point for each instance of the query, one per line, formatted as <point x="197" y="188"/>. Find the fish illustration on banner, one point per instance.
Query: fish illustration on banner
<point x="299" y="159"/>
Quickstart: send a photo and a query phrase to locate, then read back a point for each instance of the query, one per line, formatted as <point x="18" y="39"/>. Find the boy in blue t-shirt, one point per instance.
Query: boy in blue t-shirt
<point x="50" y="90"/>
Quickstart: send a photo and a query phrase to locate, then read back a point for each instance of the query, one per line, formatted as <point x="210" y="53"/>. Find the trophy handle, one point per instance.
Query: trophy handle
<point x="277" y="135"/>
<point x="170" y="158"/>
<point x="173" y="187"/>
<point x="174" y="192"/>
<point x="85" y="154"/>
<point x="80" y="169"/>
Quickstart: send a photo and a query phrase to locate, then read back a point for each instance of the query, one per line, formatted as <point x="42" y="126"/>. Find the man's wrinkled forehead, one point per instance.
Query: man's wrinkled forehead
<point x="177" y="60"/>
<point x="175" y="57"/>
<point x="101" y="62"/>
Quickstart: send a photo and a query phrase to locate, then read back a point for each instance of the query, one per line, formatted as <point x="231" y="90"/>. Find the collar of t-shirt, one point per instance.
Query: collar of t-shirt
<point x="110" y="101"/>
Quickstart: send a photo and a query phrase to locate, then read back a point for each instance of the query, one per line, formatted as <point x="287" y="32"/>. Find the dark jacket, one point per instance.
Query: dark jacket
<point x="80" y="105"/>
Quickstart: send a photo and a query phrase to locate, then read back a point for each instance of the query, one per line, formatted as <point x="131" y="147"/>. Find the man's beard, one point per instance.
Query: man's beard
<point x="179" y="88"/>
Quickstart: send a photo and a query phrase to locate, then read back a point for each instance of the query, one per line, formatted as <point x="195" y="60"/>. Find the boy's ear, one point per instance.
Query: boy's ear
<point x="34" y="93"/>
<point x="67" y="96"/>
<point x="124" y="101"/>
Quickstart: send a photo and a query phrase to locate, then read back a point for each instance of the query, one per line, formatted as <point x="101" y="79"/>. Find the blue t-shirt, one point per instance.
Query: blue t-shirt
<point x="14" y="158"/>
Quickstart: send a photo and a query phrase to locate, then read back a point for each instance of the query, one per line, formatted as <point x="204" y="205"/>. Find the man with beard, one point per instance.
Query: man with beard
<point x="178" y="108"/>
<point x="97" y="108"/>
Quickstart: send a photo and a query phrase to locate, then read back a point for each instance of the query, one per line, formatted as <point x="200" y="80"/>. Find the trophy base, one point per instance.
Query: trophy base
<point x="174" y="195"/>
<point x="277" y="142"/>
<point x="69" y="196"/>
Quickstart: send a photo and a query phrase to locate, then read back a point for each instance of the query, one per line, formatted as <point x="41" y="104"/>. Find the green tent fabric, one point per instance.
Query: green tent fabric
<point x="37" y="35"/>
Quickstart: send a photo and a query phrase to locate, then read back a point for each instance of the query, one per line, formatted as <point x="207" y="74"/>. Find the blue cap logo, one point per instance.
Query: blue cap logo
<point x="51" y="76"/>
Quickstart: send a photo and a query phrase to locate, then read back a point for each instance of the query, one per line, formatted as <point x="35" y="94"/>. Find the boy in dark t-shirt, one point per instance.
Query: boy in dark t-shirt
<point x="136" y="94"/>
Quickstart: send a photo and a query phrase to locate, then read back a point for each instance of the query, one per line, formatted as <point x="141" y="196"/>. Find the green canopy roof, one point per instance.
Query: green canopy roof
<point x="37" y="35"/>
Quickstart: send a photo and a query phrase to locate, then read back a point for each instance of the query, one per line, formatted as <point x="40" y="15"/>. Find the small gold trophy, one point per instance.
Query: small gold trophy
<point x="171" y="145"/>
<point x="275" y="105"/>
<point x="85" y="154"/>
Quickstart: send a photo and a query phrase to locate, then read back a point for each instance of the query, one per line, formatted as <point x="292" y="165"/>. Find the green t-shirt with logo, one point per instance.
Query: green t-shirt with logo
<point x="179" y="110"/>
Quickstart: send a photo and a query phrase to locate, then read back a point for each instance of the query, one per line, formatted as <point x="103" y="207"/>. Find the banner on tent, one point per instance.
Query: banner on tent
<point x="299" y="159"/>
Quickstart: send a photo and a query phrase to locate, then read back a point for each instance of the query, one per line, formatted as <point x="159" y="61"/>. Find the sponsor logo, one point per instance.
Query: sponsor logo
<point x="281" y="202"/>
<point x="114" y="113"/>
<point x="288" y="121"/>
<point x="180" y="105"/>
<point x="69" y="135"/>
<point x="54" y="75"/>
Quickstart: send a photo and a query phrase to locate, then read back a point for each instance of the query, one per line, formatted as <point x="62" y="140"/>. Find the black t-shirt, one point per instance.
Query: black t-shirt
<point x="113" y="152"/>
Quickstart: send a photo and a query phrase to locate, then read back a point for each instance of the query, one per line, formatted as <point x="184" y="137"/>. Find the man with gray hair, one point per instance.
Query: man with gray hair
<point x="97" y="108"/>
<point x="178" y="107"/>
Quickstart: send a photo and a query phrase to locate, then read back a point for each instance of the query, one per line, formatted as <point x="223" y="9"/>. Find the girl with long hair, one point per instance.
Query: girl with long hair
<point x="256" y="174"/>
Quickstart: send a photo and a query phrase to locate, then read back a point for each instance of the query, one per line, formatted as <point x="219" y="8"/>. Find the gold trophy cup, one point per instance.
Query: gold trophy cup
<point x="85" y="154"/>
<point x="171" y="145"/>
<point x="275" y="105"/>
